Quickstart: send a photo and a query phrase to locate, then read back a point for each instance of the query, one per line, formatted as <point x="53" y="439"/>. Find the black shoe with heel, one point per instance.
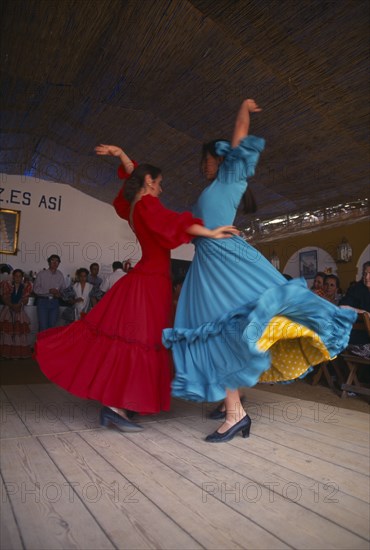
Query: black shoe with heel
<point x="108" y="417"/>
<point x="243" y="426"/>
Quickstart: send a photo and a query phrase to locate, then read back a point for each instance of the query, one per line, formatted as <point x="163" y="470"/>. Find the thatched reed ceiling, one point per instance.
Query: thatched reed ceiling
<point x="159" y="77"/>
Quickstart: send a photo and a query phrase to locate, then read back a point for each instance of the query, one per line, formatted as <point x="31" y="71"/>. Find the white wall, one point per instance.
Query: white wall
<point x="56" y="218"/>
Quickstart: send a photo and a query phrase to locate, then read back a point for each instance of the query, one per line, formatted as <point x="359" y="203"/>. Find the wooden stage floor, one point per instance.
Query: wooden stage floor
<point x="300" y="481"/>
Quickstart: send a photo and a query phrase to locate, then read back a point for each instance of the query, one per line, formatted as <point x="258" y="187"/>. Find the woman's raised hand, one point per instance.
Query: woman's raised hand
<point x="252" y="106"/>
<point x="111" y="150"/>
<point x="242" y="122"/>
<point x="117" y="152"/>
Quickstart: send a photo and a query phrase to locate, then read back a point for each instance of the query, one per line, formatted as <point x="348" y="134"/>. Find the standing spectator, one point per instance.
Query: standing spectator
<point x="48" y="285"/>
<point x="5" y="273"/>
<point x="14" y="322"/>
<point x="4" y="276"/>
<point x="112" y="278"/>
<point x="93" y="278"/>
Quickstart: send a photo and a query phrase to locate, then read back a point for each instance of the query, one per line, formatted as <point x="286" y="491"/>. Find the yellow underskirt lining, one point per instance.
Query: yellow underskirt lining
<point x="293" y="348"/>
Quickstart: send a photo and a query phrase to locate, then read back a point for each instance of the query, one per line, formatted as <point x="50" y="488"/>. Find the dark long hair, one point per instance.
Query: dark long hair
<point x="248" y="202"/>
<point x="136" y="180"/>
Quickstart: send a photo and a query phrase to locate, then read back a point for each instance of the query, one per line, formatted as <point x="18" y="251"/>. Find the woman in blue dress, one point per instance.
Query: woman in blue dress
<point x="238" y="320"/>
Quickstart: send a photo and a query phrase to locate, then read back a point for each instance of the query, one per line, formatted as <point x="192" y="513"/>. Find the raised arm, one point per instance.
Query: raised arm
<point x="242" y="122"/>
<point x="115" y="151"/>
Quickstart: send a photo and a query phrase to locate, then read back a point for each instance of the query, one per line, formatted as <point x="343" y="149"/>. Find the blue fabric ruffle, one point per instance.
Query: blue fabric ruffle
<point x="225" y="353"/>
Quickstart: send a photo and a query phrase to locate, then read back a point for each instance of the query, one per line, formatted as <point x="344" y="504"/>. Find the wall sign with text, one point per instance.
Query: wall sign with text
<point x="17" y="197"/>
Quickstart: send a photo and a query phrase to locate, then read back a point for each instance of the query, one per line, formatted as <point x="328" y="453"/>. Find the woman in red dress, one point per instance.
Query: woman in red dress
<point x="115" y="354"/>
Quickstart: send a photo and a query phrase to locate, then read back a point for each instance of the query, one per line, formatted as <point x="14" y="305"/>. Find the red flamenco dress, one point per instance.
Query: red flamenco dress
<point x="115" y="353"/>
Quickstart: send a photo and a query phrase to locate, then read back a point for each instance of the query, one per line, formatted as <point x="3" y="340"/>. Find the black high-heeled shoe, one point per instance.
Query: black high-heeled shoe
<point x="108" y="417"/>
<point x="243" y="426"/>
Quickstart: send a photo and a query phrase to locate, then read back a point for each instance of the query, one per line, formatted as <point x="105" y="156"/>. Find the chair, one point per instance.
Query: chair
<point x="352" y="383"/>
<point x="351" y="361"/>
<point x="354" y="362"/>
<point x="324" y="370"/>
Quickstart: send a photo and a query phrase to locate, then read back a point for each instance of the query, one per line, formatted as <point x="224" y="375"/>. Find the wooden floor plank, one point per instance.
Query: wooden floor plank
<point x="9" y="533"/>
<point x="47" y="512"/>
<point x="295" y="411"/>
<point x="76" y="414"/>
<point x="131" y="519"/>
<point x="203" y="472"/>
<point x="329" y="411"/>
<point x="212" y="524"/>
<point x="11" y="424"/>
<point x="326" y="436"/>
<point x="297" y="440"/>
<point x="340" y="434"/>
<point x="38" y="417"/>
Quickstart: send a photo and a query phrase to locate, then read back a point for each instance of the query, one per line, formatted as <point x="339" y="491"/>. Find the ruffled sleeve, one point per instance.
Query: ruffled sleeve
<point x="239" y="162"/>
<point x="121" y="205"/>
<point x="122" y="174"/>
<point x="168" y="227"/>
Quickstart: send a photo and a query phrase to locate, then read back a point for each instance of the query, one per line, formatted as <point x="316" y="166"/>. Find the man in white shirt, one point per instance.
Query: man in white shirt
<point x="48" y="285"/>
<point x="112" y="277"/>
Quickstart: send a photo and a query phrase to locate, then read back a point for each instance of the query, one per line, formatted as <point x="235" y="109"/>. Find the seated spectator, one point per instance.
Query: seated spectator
<point x="78" y="296"/>
<point x="358" y="297"/>
<point x="332" y="289"/>
<point x="14" y="321"/>
<point x="113" y="277"/>
<point x="96" y="294"/>
<point x="82" y="290"/>
<point x="318" y="284"/>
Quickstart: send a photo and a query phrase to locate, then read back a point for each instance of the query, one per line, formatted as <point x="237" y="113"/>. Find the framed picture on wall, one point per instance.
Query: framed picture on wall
<point x="308" y="264"/>
<point x="9" y="231"/>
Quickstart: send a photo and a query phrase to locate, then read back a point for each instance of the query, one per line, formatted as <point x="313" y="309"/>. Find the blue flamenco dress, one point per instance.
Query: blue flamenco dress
<point x="238" y="320"/>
